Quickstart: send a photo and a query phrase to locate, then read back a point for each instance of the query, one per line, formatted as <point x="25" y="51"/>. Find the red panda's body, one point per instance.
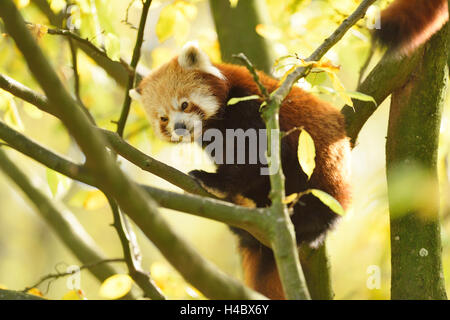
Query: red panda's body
<point x="407" y="24"/>
<point x="190" y="87"/>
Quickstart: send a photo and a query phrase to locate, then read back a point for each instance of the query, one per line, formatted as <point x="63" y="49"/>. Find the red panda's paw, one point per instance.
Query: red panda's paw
<point x="208" y="181"/>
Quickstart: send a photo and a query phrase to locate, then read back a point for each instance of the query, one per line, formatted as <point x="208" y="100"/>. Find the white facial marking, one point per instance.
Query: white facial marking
<point x="207" y="102"/>
<point x="190" y="120"/>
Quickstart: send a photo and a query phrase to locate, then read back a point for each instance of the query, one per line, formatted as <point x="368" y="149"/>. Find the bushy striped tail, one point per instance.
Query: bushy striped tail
<point x="407" y="24"/>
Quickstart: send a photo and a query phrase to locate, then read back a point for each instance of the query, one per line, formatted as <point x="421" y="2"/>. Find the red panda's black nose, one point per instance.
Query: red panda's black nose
<point x="180" y="125"/>
<point x="180" y="129"/>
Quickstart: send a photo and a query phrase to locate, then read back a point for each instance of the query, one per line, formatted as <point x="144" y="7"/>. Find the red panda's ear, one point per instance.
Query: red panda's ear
<point x="192" y="57"/>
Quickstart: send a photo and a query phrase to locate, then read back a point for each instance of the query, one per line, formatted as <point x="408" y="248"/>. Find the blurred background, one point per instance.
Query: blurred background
<point x="28" y="247"/>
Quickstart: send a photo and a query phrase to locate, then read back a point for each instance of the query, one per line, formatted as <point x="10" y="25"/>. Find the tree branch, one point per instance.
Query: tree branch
<point x="17" y="295"/>
<point x="282" y="235"/>
<point x="133" y="256"/>
<point x="118" y="70"/>
<point x="251" y="220"/>
<point x="300" y="72"/>
<point x="62" y="221"/>
<point x="64" y="274"/>
<point x="119" y="145"/>
<point x="388" y="75"/>
<point x="134" y="61"/>
<point x="131" y="198"/>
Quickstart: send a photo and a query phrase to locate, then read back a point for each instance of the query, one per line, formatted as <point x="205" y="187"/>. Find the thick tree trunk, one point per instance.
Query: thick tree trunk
<point x="236" y="31"/>
<point x="412" y="143"/>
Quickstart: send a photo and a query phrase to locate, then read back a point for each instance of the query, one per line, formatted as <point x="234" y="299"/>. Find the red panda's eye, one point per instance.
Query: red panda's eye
<point x="184" y="105"/>
<point x="164" y="119"/>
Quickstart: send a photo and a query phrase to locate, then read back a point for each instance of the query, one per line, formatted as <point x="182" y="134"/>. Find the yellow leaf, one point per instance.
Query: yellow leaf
<point x="94" y="200"/>
<point x="181" y="30"/>
<point x="329" y="201"/>
<point x="38" y="30"/>
<point x="160" y="55"/>
<point x="11" y="115"/>
<point x="22" y="3"/>
<point x="74" y="295"/>
<point x="187" y="9"/>
<point x="339" y="87"/>
<point x="116" y="286"/>
<point x="234" y="3"/>
<point x="57" y="5"/>
<point x="327" y="65"/>
<point x="306" y="153"/>
<point x="290" y="198"/>
<point x="165" y="25"/>
<point x="291" y="69"/>
<point x="112" y="46"/>
<point x="233" y="101"/>
<point x="159" y="270"/>
<point x="269" y="32"/>
<point x="35" y="292"/>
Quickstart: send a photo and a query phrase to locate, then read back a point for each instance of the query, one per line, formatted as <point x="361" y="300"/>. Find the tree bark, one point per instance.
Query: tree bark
<point x="413" y="136"/>
<point x="235" y="28"/>
<point x="16" y="295"/>
<point x="316" y="268"/>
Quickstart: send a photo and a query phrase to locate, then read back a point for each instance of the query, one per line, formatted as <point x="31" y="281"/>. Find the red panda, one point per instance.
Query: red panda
<point x="191" y="89"/>
<point x="407" y="24"/>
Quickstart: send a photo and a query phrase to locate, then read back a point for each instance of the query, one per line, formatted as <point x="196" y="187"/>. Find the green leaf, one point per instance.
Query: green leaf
<point x="328" y="200"/>
<point x="237" y="100"/>
<point x="316" y="78"/>
<point x="112" y="46"/>
<point x="11" y="115"/>
<point x="306" y="153"/>
<point x="53" y="181"/>
<point x="361" y="96"/>
<point x="57" y="183"/>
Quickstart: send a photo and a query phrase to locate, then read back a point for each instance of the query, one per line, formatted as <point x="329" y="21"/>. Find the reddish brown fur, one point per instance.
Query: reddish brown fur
<point x="326" y="126"/>
<point x="323" y="122"/>
<point x="243" y="183"/>
<point x="407" y="24"/>
<point x="268" y="283"/>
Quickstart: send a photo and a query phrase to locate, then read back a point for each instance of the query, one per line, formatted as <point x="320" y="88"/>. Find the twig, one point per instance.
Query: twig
<point x="125" y="232"/>
<point x="130" y="197"/>
<point x="126" y="16"/>
<point x="328" y="43"/>
<point x="76" y="77"/>
<point x="134" y="61"/>
<point x="62" y="221"/>
<point x="58" y="275"/>
<point x="282" y="235"/>
<point x="248" y="219"/>
<point x="119" y="145"/>
<point x="118" y="70"/>
<point x="92" y="47"/>
<point x="132" y="255"/>
<point x="251" y="68"/>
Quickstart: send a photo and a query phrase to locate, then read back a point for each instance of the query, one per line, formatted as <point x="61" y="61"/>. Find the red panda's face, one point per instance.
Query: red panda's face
<point x="179" y="96"/>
